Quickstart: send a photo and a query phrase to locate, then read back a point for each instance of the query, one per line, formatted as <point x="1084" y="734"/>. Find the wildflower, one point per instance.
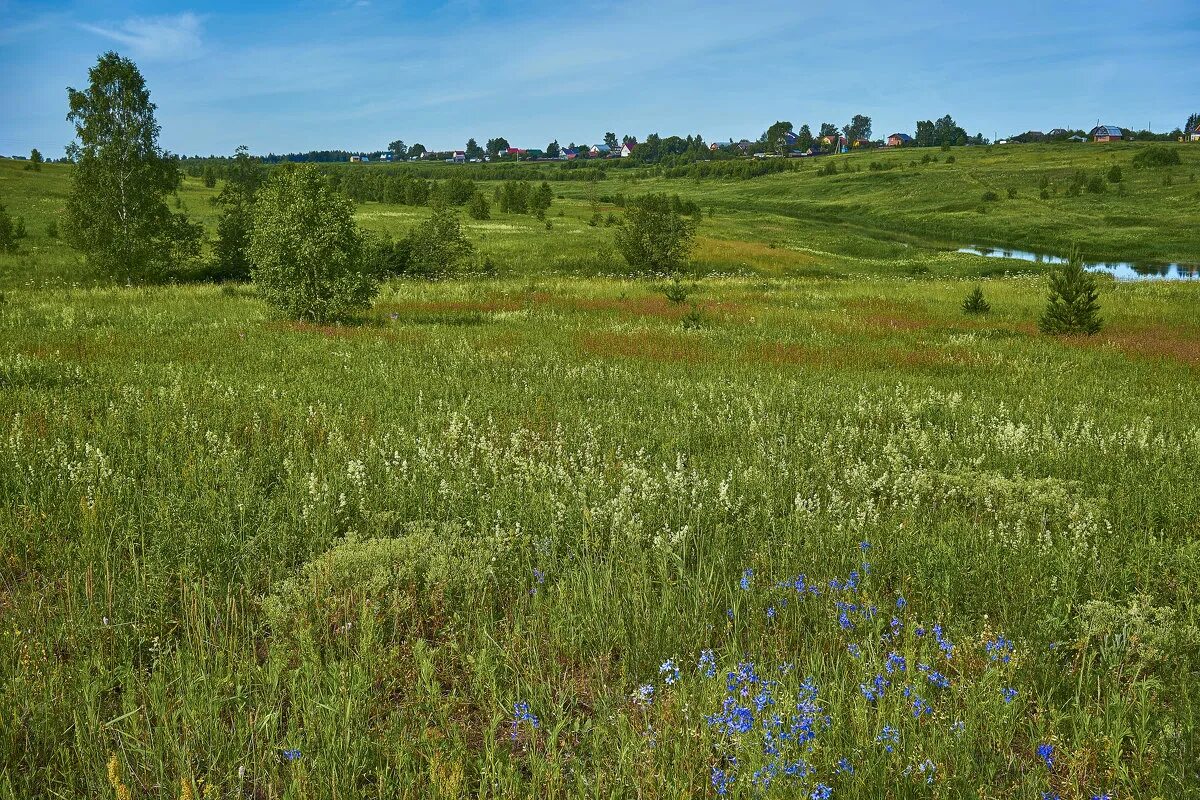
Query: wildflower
<point x="919" y="706"/>
<point x="957" y="727"/>
<point x="291" y="755"/>
<point x="822" y="792"/>
<point x="999" y="649"/>
<point x="844" y="621"/>
<point x="670" y="670"/>
<point x="538" y="575"/>
<point x="771" y="612"/>
<point x="938" y="679"/>
<point x="1046" y="754"/>
<point x="1009" y="694"/>
<point x="721" y="781"/>
<point x="864" y="545"/>
<point x="946" y="646"/>
<point x="896" y="625"/>
<point x="799" y="584"/>
<point x="901" y="603"/>
<point x="844" y="766"/>
<point x="1101" y="796"/>
<point x="644" y="695"/>
<point x="889" y="736"/>
<point x="854" y="649"/>
<point x="1050" y="796"/>
<point x="707" y="664"/>
<point x="895" y="663"/>
<point x="520" y="714"/>
<point x="729" y="613"/>
<point x="927" y="766"/>
<point x="745" y="581"/>
<point x="797" y="769"/>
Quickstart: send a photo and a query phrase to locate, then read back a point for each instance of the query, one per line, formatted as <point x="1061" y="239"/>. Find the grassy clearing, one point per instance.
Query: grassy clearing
<point x="245" y="557"/>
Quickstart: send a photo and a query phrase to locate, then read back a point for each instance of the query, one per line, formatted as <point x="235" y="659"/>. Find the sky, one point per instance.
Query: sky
<point x="357" y="74"/>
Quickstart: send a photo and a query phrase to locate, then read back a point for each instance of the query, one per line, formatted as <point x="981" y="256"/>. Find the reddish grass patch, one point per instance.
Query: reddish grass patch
<point x="1154" y="342"/>
<point x="650" y="345"/>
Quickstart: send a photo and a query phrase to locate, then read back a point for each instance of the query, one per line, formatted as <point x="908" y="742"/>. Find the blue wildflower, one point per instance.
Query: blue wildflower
<point x="927" y="766"/>
<point x="670" y="671"/>
<point x="854" y="649"/>
<point x="538" y="575"/>
<point x="797" y="769"/>
<point x="745" y="581"/>
<point x="1046" y="754"/>
<point x="896" y="625"/>
<point x="901" y="602"/>
<point x="721" y="781"/>
<point x="291" y="755"/>
<point x="771" y="612"/>
<point x="1009" y="694"/>
<point x="999" y="649"/>
<point x="644" y="695"/>
<point x="895" y="663"/>
<point x="864" y="545"/>
<point x="844" y="766"/>
<point x="844" y="621"/>
<point x="707" y="663"/>
<point x="821" y="792"/>
<point x="521" y="714"/>
<point x="889" y="736"/>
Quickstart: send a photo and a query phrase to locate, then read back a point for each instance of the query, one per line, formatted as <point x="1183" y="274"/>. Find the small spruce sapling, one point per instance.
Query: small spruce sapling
<point x="975" y="302"/>
<point x="1072" y="306"/>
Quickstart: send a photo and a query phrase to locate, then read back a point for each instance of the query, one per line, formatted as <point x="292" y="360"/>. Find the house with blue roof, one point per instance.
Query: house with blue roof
<point x="1107" y="133"/>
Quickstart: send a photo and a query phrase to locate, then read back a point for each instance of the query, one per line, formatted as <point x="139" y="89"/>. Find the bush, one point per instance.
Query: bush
<point x="1095" y="185"/>
<point x="1072" y="307"/>
<point x="990" y="197"/>
<point x="308" y="256"/>
<point x="676" y="292"/>
<point x="437" y="245"/>
<point x="1162" y="156"/>
<point x="478" y="206"/>
<point x="383" y="591"/>
<point x="950" y="159"/>
<point x="1114" y="174"/>
<point x="654" y="237"/>
<point x="1012" y="193"/>
<point x="11" y="231"/>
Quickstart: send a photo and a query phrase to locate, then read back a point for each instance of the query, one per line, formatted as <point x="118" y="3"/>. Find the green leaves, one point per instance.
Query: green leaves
<point x="307" y="252"/>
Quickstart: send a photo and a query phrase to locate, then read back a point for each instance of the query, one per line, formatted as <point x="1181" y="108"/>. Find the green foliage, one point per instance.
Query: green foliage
<point x="35" y="161"/>
<point x="309" y="258"/>
<point x="117" y="212"/>
<point x="243" y="177"/>
<point x="11" y="231"/>
<point x="1095" y="184"/>
<point x="209" y="176"/>
<point x="1157" y="156"/>
<point x="438" y="246"/>
<point x="478" y="206"/>
<point x="676" y="291"/>
<point x="990" y="197"/>
<point x="1012" y="193"/>
<point x="1073" y="306"/>
<point x="514" y="197"/>
<point x="975" y="302"/>
<point x="655" y="237"/>
<point x="1114" y="174"/>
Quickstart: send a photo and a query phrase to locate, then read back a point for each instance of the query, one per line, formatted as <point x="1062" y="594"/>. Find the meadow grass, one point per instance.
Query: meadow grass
<point x="528" y="535"/>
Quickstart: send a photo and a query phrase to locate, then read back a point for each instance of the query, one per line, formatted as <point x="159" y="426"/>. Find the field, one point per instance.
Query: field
<point x="529" y="534"/>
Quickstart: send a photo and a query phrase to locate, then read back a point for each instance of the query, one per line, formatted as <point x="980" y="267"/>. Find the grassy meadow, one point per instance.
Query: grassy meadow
<point x="542" y="533"/>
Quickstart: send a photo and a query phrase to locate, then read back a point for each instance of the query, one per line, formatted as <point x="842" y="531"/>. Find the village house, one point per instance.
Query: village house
<point x="1194" y="135"/>
<point x="567" y="154"/>
<point x="627" y="148"/>
<point x="1107" y="133"/>
<point x="899" y="140"/>
<point x="458" y="157"/>
<point x="599" y="151"/>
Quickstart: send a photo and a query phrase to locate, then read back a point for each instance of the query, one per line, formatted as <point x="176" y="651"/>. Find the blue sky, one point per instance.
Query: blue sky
<point x="356" y="74"/>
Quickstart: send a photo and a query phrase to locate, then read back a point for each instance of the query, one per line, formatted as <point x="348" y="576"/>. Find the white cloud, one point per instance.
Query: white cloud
<point x="171" y="38"/>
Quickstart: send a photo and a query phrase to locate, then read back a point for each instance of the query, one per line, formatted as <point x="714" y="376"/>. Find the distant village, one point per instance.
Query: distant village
<point x="782" y="143"/>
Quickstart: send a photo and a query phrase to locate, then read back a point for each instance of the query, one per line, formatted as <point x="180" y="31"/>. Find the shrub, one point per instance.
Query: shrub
<point x="52" y="229"/>
<point x="1072" y="307"/>
<point x="990" y="197"/>
<point x="675" y="291"/>
<point x="308" y="256"/>
<point x="387" y="590"/>
<point x="11" y="231"/>
<point x="437" y="245"/>
<point x="950" y="159"/>
<point x="1161" y="156"/>
<point x="1114" y="174"/>
<point x="478" y="206"/>
<point x="654" y="237"/>
<point x="975" y="303"/>
<point x="1012" y="193"/>
<point x="1096" y="185"/>
<point x="1044" y="194"/>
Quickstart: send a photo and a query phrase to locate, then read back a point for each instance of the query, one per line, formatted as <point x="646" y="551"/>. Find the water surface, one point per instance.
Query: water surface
<point x="1121" y="270"/>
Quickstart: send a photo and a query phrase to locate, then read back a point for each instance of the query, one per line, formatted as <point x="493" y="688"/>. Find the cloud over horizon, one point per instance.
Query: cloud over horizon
<point x="173" y="38"/>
